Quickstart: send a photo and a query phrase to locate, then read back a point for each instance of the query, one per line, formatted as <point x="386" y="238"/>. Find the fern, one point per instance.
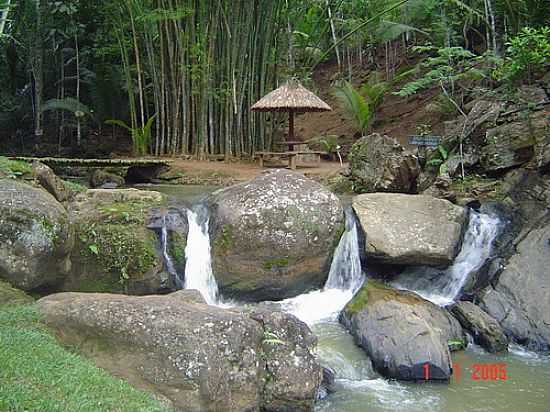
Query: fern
<point x="355" y="105"/>
<point x="141" y="136"/>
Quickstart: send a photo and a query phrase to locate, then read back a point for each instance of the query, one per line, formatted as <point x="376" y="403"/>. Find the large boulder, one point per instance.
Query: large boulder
<point x="114" y="250"/>
<point x="410" y="229"/>
<point x="380" y="164"/>
<point x="201" y="357"/>
<point x="401" y="332"/>
<point x="484" y="329"/>
<point x="520" y="299"/>
<point x="35" y="236"/>
<point x="273" y="237"/>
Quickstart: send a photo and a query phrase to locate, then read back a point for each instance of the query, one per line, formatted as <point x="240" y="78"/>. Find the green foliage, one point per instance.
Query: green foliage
<point x="38" y="374"/>
<point x="361" y="104"/>
<point x="447" y="67"/>
<point x="141" y="136"/>
<point x="68" y="104"/>
<point x="14" y="168"/>
<point x="438" y="159"/>
<point x="74" y="186"/>
<point x="526" y="53"/>
<point x="271" y="338"/>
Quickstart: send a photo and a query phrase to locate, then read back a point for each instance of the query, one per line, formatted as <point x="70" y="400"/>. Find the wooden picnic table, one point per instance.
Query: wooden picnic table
<point x="290" y="155"/>
<point x="291" y="144"/>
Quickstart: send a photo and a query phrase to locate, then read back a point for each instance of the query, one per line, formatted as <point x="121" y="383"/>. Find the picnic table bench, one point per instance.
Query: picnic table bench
<point x="290" y="155"/>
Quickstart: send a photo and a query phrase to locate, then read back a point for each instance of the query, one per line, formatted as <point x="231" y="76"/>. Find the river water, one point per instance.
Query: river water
<point x="358" y="388"/>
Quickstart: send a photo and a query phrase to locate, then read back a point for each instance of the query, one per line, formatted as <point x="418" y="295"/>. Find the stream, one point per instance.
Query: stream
<point x="358" y="388"/>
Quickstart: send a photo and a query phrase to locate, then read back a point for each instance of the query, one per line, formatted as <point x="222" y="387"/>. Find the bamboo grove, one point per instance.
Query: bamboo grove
<point x="206" y="62"/>
<point x="179" y="76"/>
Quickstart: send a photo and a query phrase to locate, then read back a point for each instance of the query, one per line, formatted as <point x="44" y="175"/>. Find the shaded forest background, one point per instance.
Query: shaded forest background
<point x="177" y="77"/>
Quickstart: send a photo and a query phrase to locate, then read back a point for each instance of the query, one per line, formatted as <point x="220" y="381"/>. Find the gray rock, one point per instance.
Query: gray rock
<point x="52" y="183"/>
<point x="513" y="144"/>
<point x="402" y="332"/>
<point x="380" y="164"/>
<point x="202" y="358"/>
<point x="103" y="179"/>
<point x="520" y="300"/>
<point x="35" y="236"/>
<point x="485" y="330"/>
<point x="410" y="229"/>
<point x="273" y="237"/>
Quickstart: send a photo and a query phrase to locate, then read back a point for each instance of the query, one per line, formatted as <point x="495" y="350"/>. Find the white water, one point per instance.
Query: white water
<point x="345" y="278"/>
<point x="442" y="287"/>
<point x="198" y="267"/>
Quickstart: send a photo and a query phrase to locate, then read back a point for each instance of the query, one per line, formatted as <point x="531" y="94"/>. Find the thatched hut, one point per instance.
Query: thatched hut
<point x="293" y="98"/>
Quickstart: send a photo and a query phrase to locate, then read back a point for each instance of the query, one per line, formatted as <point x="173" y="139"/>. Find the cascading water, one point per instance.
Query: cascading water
<point x="198" y="268"/>
<point x="442" y="287"/>
<point x="345" y="278"/>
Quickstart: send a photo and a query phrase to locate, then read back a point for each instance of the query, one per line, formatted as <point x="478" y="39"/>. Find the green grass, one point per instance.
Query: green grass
<point x="37" y="374"/>
<point x="14" y="168"/>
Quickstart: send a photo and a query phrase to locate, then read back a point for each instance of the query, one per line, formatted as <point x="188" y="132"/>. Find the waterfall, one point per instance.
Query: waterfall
<point x="345" y="278"/>
<point x="198" y="267"/>
<point x="171" y="269"/>
<point x="443" y="286"/>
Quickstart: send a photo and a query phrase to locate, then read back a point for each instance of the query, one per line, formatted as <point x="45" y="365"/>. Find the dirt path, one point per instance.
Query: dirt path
<point x="242" y="171"/>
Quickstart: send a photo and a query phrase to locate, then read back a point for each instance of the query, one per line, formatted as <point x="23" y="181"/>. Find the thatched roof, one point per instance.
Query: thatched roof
<point x="291" y="96"/>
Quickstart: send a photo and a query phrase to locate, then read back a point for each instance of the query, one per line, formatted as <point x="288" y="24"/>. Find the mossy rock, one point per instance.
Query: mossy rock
<point x="11" y="296"/>
<point x="115" y="251"/>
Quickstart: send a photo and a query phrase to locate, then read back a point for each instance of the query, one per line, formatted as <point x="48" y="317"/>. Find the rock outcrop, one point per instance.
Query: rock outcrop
<point x="35" y="236"/>
<point x="380" y="164"/>
<point x="114" y="250"/>
<point x="484" y="329"/>
<point x="520" y="299"/>
<point x="203" y="358"/>
<point x="273" y="237"/>
<point x="402" y="332"/>
<point x="51" y="182"/>
<point x="410" y="229"/>
<point x="103" y="179"/>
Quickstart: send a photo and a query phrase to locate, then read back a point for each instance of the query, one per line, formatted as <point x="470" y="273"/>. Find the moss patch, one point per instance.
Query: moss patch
<point x="371" y="291"/>
<point x="176" y="248"/>
<point x="225" y="240"/>
<point x="10" y="295"/>
<point x="118" y="240"/>
<point x="38" y="374"/>
<point x="276" y="263"/>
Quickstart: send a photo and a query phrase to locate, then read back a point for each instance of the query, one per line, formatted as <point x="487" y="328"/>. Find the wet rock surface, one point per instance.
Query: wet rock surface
<point x="410" y="229"/>
<point x="520" y="299"/>
<point x="273" y="237"/>
<point x="402" y="332"/>
<point x="200" y="357"/>
<point x="484" y="329"/>
<point x="35" y="236"/>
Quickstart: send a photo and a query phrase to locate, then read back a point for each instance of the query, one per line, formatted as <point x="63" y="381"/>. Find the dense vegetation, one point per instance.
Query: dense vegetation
<point x="179" y="76"/>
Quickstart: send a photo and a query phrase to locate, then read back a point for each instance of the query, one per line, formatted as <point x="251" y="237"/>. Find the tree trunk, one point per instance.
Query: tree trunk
<point x="37" y="71"/>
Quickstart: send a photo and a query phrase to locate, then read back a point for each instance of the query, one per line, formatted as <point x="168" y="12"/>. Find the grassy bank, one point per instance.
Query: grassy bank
<point x="37" y="374"/>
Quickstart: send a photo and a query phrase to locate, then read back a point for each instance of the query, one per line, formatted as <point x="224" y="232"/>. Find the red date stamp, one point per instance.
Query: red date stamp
<point x="476" y="372"/>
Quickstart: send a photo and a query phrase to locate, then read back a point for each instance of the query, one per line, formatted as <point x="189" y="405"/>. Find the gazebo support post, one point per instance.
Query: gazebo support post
<point x="290" y="125"/>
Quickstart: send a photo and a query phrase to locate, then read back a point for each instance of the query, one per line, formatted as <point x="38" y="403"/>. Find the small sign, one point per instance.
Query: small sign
<point x="429" y="141"/>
